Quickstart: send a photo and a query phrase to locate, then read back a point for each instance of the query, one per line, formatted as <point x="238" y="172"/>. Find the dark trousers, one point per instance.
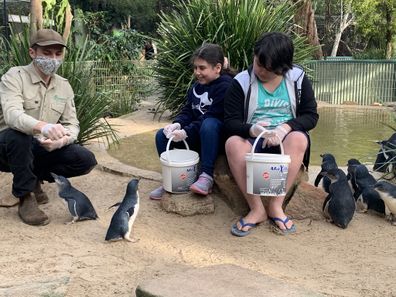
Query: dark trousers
<point x="22" y="155"/>
<point x="208" y="143"/>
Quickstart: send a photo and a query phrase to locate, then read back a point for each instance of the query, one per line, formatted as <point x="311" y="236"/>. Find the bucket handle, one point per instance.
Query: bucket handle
<point x="265" y="142"/>
<point x="168" y="145"/>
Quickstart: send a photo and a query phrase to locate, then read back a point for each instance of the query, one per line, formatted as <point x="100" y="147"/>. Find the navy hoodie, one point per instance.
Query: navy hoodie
<point x="203" y="101"/>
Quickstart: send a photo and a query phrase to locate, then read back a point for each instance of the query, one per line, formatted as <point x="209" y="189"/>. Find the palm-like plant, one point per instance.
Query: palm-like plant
<point x="91" y="105"/>
<point x="233" y="24"/>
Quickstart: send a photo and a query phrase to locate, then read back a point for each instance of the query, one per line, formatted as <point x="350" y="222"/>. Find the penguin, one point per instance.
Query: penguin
<point x="351" y="172"/>
<point x="328" y="162"/>
<point x="386" y="155"/>
<point x="339" y="205"/>
<point x="387" y="192"/>
<point x="79" y="205"/>
<point x="124" y="217"/>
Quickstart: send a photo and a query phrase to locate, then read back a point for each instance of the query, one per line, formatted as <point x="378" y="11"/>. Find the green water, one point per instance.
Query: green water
<point x="350" y="132"/>
<point x="346" y="132"/>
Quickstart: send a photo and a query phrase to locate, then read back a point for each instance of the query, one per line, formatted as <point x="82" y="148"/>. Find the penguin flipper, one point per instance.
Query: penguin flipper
<point x="72" y="205"/>
<point x="114" y="205"/>
<point x="318" y="178"/>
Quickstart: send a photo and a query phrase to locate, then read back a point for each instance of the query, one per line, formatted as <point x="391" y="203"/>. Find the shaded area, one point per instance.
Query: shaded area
<point x="138" y="151"/>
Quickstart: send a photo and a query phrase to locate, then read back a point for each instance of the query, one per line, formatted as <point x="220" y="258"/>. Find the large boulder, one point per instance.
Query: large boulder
<point x="187" y="204"/>
<point x="306" y="203"/>
<point x="220" y="280"/>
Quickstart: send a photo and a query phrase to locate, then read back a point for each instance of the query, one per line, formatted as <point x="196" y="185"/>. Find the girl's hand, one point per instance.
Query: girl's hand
<point x="178" y="135"/>
<point x="170" y="128"/>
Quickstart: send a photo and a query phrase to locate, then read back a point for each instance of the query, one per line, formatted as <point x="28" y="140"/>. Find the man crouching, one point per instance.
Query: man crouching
<point x="39" y="125"/>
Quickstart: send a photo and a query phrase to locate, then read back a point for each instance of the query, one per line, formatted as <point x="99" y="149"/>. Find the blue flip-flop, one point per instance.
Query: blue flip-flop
<point x="285" y="231"/>
<point x="240" y="233"/>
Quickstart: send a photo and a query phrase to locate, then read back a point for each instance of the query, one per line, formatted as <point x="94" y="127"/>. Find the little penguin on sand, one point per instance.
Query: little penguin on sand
<point x="79" y="205"/>
<point x="339" y="205"/>
<point x="387" y="192"/>
<point x="124" y="217"/>
<point x="328" y="162"/>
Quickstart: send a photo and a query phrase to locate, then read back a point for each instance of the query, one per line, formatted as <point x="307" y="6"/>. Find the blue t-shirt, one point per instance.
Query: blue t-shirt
<point x="274" y="107"/>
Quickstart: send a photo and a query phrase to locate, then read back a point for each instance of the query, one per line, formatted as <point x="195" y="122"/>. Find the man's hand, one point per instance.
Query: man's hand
<point x="51" y="145"/>
<point x="54" y="131"/>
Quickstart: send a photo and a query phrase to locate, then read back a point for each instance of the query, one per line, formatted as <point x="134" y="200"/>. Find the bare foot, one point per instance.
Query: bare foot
<point x="277" y="212"/>
<point x="253" y="217"/>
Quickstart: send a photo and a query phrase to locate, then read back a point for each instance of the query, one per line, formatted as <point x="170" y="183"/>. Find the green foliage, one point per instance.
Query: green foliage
<point x="19" y="45"/>
<point x="233" y="24"/>
<point x="49" y="8"/>
<point x="371" y="54"/>
<point x="122" y="44"/>
<point x="91" y="105"/>
<point x="142" y="13"/>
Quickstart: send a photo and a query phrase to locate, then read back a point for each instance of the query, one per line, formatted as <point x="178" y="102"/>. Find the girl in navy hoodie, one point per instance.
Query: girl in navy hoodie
<point x="200" y="122"/>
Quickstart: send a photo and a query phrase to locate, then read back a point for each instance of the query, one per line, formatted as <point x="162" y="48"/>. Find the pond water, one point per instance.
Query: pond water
<point x="350" y="132"/>
<point x="346" y="132"/>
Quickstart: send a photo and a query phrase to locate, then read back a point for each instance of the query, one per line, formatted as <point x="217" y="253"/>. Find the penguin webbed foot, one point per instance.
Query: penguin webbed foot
<point x="75" y="219"/>
<point x="132" y="240"/>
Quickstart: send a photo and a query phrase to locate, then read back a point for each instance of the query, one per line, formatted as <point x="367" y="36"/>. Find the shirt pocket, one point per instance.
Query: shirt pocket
<point x="32" y="107"/>
<point x="57" y="109"/>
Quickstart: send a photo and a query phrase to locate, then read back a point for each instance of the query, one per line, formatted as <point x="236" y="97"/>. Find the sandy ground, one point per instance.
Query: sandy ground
<point x="74" y="260"/>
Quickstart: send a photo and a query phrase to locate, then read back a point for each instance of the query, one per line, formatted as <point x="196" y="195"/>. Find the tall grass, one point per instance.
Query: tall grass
<point x="233" y="24"/>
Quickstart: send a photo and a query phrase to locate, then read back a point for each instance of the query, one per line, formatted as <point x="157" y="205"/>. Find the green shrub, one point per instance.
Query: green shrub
<point x="121" y="44"/>
<point x="370" y="54"/>
<point x="233" y="24"/>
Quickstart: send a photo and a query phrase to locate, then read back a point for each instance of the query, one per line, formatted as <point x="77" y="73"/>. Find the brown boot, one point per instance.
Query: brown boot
<point x="40" y="195"/>
<point x="30" y="213"/>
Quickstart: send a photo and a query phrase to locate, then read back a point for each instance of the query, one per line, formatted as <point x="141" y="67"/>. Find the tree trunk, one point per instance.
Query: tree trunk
<point x="305" y="19"/>
<point x="346" y="20"/>
<point x="336" y="43"/>
<point x="36" y="16"/>
<point x="389" y="31"/>
<point x="68" y="23"/>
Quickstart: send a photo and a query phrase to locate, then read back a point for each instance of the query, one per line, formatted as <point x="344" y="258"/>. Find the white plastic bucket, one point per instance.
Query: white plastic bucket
<point x="179" y="168"/>
<point x="266" y="174"/>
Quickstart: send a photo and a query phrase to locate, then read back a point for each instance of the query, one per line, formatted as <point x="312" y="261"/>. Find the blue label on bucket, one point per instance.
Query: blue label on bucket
<point x="269" y="179"/>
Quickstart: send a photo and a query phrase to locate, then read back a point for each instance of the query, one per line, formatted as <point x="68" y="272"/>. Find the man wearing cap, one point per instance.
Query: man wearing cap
<point x="39" y="125"/>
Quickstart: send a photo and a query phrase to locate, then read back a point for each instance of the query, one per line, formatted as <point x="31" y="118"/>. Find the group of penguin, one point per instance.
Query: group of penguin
<point x="81" y="208"/>
<point x="357" y="190"/>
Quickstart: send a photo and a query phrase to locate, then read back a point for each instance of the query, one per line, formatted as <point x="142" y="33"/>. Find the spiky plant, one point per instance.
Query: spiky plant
<point x="91" y="105"/>
<point x="233" y="24"/>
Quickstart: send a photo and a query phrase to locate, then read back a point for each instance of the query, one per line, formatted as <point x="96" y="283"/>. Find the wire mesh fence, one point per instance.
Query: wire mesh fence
<point x="363" y="82"/>
<point x="126" y="82"/>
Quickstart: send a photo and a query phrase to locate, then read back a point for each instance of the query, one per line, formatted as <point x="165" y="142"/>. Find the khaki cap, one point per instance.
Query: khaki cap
<point x="44" y="37"/>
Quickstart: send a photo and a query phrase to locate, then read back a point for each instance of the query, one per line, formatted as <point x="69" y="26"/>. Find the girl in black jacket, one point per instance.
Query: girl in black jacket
<point x="274" y="95"/>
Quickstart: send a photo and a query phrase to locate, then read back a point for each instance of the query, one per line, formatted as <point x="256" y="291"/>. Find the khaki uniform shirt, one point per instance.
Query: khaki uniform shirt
<point x="25" y="100"/>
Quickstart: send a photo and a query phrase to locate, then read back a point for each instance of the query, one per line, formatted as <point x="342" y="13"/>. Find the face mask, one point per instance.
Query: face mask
<point x="47" y="65"/>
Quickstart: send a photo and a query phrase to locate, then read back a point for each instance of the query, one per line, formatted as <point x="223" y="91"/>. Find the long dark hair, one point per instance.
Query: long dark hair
<point x="213" y="54"/>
